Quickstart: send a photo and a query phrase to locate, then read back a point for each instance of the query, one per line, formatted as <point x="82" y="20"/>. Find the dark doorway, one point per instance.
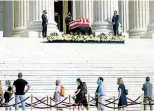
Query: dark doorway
<point x="70" y="7"/>
<point x="59" y="10"/>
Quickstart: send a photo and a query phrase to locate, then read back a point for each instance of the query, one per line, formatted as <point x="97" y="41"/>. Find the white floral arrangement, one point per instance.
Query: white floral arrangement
<point x="54" y="37"/>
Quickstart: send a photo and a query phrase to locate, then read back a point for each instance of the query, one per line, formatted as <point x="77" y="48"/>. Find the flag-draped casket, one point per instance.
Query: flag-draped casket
<point x="80" y="25"/>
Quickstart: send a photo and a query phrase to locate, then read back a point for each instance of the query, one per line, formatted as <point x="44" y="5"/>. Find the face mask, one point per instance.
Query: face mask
<point x="98" y="82"/>
<point x="78" y="83"/>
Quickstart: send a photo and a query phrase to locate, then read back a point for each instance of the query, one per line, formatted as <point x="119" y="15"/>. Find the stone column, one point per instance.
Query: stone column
<point x="27" y="12"/>
<point x="20" y="17"/>
<point x="124" y="15"/>
<point x="8" y="18"/>
<point x="74" y="9"/>
<point x="139" y="17"/>
<point x="34" y="28"/>
<point x="84" y="9"/>
<point x="103" y="12"/>
<point x="150" y="29"/>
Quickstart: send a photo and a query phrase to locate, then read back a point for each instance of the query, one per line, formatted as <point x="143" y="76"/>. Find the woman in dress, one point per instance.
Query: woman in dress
<point x="79" y="95"/>
<point x="122" y="100"/>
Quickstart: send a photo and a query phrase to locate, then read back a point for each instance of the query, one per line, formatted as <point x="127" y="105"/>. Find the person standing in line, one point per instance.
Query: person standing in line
<point x="122" y="100"/>
<point x="57" y="95"/>
<point x="8" y="93"/>
<point x="147" y="88"/>
<point x="100" y="92"/>
<point x="1" y="93"/>
<point x="44" y="23"/>
<point x="20" y="91"/>
<point x="115" y="21"/>
<point x="79" y="95"/>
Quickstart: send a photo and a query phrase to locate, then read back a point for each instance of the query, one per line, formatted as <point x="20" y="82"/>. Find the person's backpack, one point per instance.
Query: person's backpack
<point x="62" y="91"/>
<point x="84" y="88"/>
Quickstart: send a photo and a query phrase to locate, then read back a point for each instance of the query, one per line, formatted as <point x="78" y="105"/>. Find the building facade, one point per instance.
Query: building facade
<point x="23" y="18"/>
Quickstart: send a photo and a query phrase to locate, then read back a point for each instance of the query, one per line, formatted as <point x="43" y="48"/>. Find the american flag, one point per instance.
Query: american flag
<point x="80" y="22"/>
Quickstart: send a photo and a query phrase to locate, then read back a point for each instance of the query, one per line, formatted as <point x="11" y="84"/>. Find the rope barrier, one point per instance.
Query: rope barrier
<point x="2" y="104"/>
<point x="135" y="99"/>
<point x="149" y="99"/>
<point x="36" y="103"/>
<point x="48" y="106"/>
<point x="75" y="103"/>
<point x="15" y="104"/>
<point x="117" y="107"/>
<point x="112" y="102"/>
<point x="66" y="104"/>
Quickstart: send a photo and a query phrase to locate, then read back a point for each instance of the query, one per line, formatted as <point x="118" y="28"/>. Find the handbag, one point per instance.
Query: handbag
<point x="126" y="91"/>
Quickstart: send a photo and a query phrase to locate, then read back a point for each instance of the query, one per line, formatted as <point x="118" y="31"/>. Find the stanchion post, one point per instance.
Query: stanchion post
<point x="50" y="103"/>
<point x="88" y="102"/>
<point x="114" y="103"/>
<point x="70" y="102"/>
<point x="31" y="102"/>
<point x="142" y="102"/>
<point x="47" y="100"/>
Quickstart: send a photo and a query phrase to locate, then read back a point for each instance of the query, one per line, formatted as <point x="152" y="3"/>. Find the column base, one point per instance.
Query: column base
<point x="102" y="27"/>
<point x="19" y="32"/>
<point x="1" y="34"/>
<point x="35" y="28"/>
<point x="148" y="36"/>
<point x="126" y="35"/>
<point x="32" y="34"/>
<point x="150" y="32"/>
<point x="137" y="33"/>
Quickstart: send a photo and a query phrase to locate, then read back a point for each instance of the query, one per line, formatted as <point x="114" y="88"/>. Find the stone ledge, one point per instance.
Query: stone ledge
<point x="148" y="36"/>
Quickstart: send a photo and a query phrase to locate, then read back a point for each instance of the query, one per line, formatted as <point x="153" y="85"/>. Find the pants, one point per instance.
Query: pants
<point x="1" y="100"/>
<point x="101" y="99"/>
<point x="44" y="30"/>
<point x="19" y="98"/>
<point x="7" y="97"/>
<point x="148" y="101"/>
<point x="115" y="29"/>
<point x="67" y="29"/>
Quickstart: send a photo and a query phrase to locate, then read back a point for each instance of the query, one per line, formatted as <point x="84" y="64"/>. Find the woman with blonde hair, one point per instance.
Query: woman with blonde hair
<point x="1" y="93"/>
<point x="8" y="93"/>
<point x="122" y="100"/>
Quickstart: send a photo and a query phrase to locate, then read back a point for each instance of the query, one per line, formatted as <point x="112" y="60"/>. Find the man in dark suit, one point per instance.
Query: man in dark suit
<point x="115" y="21"/>
<point x="68" y="19"/>
<point x="44" y="23"/>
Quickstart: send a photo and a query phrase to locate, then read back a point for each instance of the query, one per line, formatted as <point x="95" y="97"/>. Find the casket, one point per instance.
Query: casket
<point x="80" y="25"/>
<point x="81" y="22"/>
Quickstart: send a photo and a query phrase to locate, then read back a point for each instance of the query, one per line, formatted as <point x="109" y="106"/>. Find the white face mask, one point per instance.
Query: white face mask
<point x="78" y="83"/>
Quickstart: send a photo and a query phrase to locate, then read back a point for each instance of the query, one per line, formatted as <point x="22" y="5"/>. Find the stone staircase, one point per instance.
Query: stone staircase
<point x="43" y="63"/>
